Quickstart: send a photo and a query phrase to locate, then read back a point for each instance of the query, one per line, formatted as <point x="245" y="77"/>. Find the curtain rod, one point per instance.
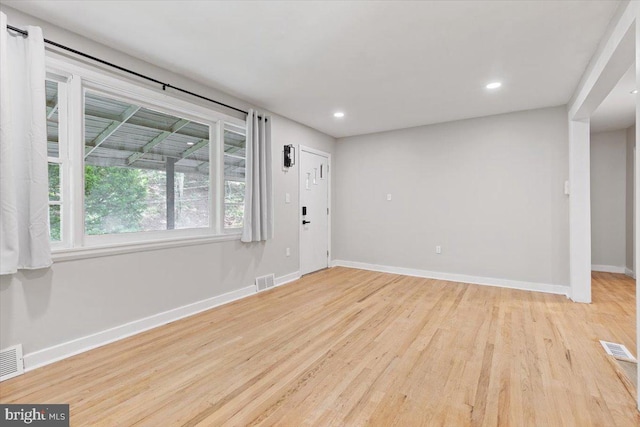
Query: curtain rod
<point x="126" y="70"/>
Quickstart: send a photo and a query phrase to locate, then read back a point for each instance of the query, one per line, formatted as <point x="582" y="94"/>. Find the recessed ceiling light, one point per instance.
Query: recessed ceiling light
<point x="633" y="92"/>
<point x="190" y="143"/>
<point x="494" y="85"/>
<point x="338" y="114"/>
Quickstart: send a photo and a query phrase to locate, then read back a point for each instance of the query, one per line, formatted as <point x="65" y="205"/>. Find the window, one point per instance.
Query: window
<point x="143" y="170"/>
<point x="129" y="165"/>
<point x="55" y="161"/>
<point x="234" y="176"/>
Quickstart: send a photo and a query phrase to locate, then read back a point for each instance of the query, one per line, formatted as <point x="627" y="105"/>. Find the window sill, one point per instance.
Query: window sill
<point x="60" y="255"/>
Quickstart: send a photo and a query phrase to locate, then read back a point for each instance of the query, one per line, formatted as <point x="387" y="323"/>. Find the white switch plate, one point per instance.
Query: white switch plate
<point x="389" y="196"/>
<point x="567" y="188"/>
<point x="287" y="198"/>
<point x="438" y="249"/>
<point x="288" y="252"/>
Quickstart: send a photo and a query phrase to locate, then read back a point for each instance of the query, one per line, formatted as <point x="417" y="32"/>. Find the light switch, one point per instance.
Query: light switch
<point x="389" y="196"/>
<point x="287" y="198"/>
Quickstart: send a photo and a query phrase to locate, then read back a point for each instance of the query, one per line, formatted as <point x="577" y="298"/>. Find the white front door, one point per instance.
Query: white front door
<point x="314" y="210"/>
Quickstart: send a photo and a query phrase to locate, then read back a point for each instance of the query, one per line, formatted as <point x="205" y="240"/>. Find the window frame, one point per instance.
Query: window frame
<point x="231" y="230"/>
<point x="74" y="80"/>
<point x="62" y="79"/>
<point x="212" y="229"/>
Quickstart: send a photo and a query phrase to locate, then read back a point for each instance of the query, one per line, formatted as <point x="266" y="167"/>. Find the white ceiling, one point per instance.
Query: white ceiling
<point x="387" y="65"/>
<point x="618" y="110"/>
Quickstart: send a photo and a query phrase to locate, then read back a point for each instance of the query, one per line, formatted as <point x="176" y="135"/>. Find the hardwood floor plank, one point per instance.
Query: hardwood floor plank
<point x="346" y="347"/>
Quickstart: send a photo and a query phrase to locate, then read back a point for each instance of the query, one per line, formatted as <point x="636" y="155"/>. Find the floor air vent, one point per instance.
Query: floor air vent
<point x="617" y="350"/>
<point x="265" y="282"/>
<point x="11" y="362"/>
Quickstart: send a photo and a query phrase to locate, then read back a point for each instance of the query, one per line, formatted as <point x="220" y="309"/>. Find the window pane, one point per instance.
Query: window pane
<point x="54" y="222"/>
<point x="51" y="89"/>
<point x="233" y="204"/>
<point x="192" y="200"/>
<point x="145" y="170"/>
<point x="234" y="141"/>
<point x="122" y="200"/>
<point x="54" y="182"/>
<point x="234" y="176"/>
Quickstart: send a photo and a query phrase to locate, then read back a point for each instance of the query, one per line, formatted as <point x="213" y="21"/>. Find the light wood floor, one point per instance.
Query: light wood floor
<point x="351" y="347"/>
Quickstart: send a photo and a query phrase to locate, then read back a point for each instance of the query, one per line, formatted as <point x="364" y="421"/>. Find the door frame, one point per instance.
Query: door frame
<point x="302" y="148"/>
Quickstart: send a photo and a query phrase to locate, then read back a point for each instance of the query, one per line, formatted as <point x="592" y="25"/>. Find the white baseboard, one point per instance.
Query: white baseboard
<point x="287" y="278"/>
<point x="607" y="268"/>
<point x="58" y="352"/>
<point x="630" y="272"/>
<point x="476" y="280"/>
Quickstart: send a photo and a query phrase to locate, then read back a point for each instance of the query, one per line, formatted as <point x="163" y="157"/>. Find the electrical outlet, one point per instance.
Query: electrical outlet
<point x="288" y="252"/>
<point x="389" y="196"/>
<point x="438" y="249"/>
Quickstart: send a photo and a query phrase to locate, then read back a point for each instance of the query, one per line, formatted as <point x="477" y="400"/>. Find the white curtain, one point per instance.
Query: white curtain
<point x="258" y="202"/>
<point x="24" y="211"/>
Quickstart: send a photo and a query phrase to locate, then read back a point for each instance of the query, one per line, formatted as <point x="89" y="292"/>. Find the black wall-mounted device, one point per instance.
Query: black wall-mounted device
<point x="289" y="155"/>
<point x="304" y="210"/>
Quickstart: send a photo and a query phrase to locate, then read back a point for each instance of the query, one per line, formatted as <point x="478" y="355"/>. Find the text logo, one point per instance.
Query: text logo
<point x="54" y="415"/>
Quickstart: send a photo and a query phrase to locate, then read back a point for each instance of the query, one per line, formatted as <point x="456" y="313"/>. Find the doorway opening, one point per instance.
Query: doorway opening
<point x="617" y="53"/>
<point x="612" y="173"/>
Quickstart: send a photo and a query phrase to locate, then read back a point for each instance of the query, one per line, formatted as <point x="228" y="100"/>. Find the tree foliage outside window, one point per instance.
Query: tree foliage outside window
<point x="126" y="200"/>
<point x="54" y="196"/>
<point x="234" y="203"/>
<point x="114" y="199"/>
<point x="192" y="200"/>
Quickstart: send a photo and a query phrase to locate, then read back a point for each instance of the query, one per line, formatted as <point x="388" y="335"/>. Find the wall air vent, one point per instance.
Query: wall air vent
<point x="265" y="282"/>
<point x="11" y="362"/>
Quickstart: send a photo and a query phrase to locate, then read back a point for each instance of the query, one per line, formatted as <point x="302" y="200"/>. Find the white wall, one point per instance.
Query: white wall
<point x="608" y="199"/>
<point x="76" y="298"/>
<point x="488" y="190"/>
<point x="629" y="200"/>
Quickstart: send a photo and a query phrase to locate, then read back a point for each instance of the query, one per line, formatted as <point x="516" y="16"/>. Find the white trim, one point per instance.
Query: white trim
<point x="476" y="280"/>
<point x="326" y="155"/>
<point x="120" y="248"/>
<point x="96" y="78"/>
<point x="314" y="151"/>
<point x="287" y="278"/>
<point x="67" y="349"/>
<point x="70" y="348"/>
<point x="607" y="268"/>
<point x="629" y="272"/>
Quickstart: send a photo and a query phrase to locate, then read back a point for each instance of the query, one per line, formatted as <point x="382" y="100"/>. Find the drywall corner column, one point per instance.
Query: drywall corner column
<point x="630" y="235"/>
<point x="610" y="61"/>
<point x="580" y="211"/>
